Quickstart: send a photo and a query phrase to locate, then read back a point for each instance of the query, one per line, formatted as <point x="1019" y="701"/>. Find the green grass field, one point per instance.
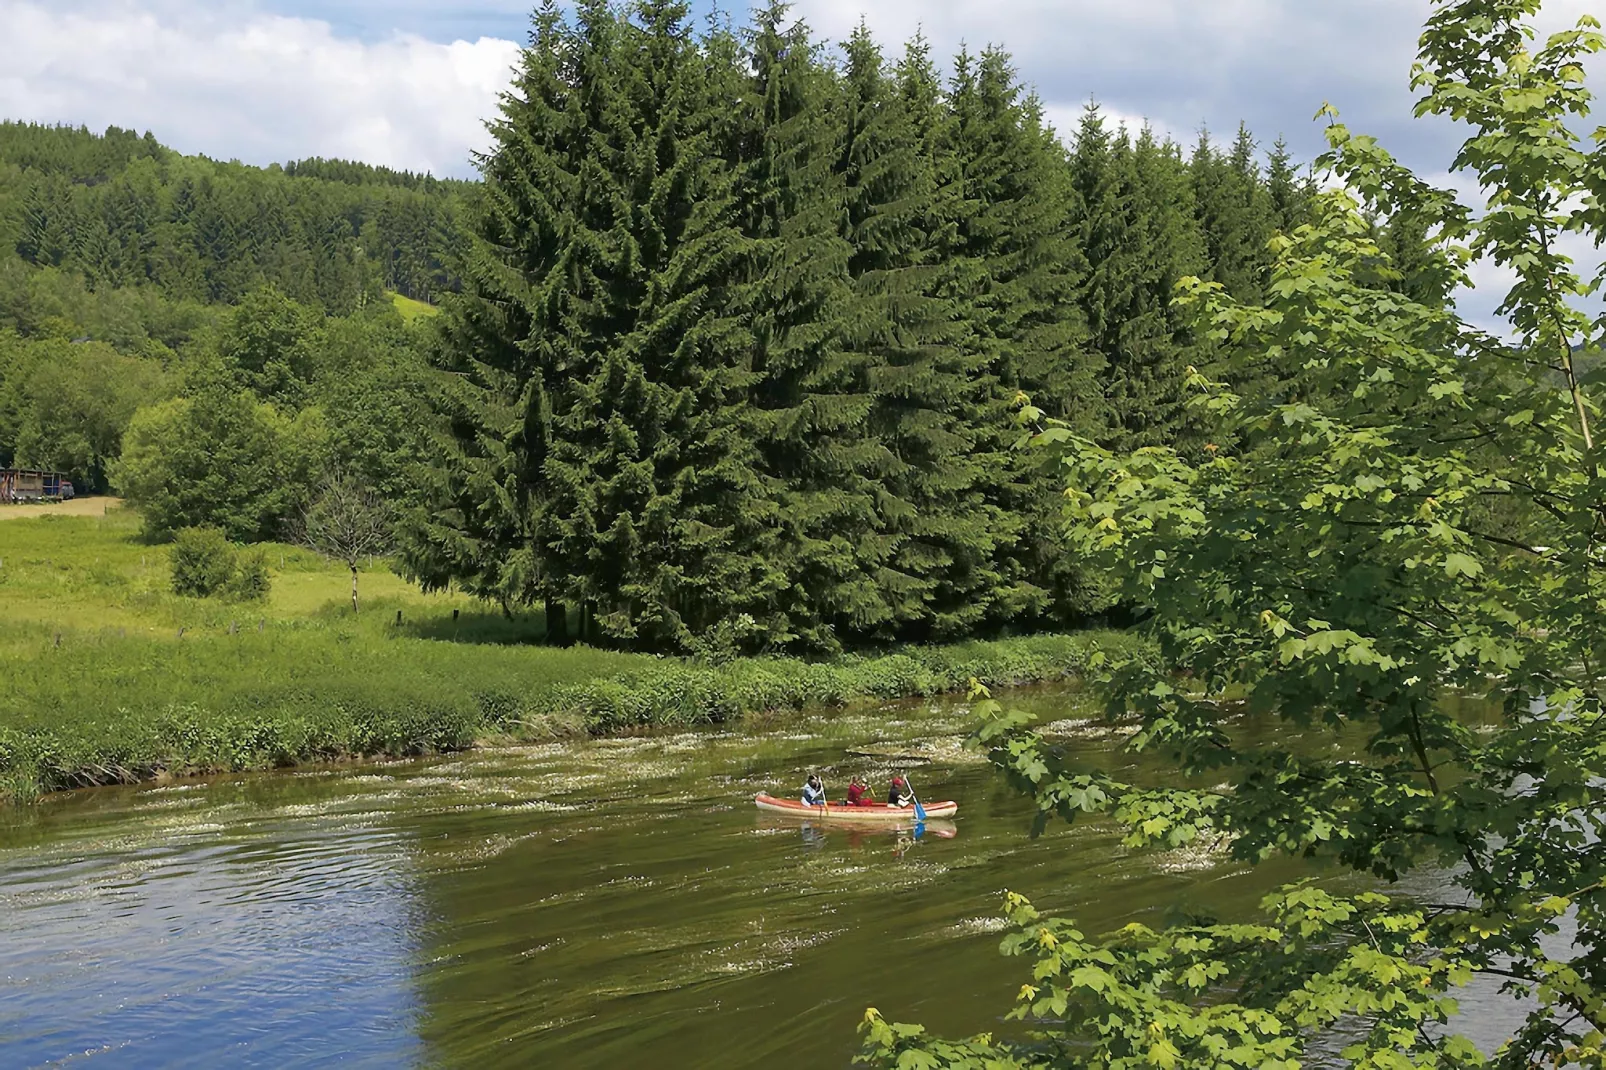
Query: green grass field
<point x="108" y="676"/>
<point x="411" y="310"/>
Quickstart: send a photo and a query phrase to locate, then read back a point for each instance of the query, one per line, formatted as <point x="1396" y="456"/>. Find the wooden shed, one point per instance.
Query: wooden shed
<point x="27" y="485"/>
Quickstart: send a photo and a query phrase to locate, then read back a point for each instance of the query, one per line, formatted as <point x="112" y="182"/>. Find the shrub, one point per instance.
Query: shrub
<point x="218" y="459"/>
<point x="250" y="582"/>
<point x="123" y="708"/>
<point x="203" y="562"/>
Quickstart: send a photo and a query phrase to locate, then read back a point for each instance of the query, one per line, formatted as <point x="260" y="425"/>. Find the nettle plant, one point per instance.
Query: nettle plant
<point x="1395" y="508"/>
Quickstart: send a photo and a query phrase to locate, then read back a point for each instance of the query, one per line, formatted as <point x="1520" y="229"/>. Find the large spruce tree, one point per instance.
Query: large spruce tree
<point x="1015" y="250"/>
<point x="1236" y="214"/>
<point x="685" y="537"/>
<point x="935" y="407"/>
<point x="1288" y="191"/>
<point x="1136" y="219"/>
<point x="506" y="342"/>
<point x="811" y="396"/>
<point x="605" y="366"/>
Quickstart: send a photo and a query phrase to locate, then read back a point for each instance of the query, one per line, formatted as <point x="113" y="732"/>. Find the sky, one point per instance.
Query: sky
<point x="409" y="83"/>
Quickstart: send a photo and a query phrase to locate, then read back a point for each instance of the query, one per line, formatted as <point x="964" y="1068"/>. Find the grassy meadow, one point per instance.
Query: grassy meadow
<point x="111" y="677"/>
<point x="412" y="310"/>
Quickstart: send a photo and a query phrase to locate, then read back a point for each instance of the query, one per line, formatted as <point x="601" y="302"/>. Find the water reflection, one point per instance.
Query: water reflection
<point x="898" y="839"/>
<point x="187" y="944"/>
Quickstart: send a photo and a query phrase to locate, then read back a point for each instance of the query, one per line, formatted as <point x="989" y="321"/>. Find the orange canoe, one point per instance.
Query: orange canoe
<point x="875" y="813"/>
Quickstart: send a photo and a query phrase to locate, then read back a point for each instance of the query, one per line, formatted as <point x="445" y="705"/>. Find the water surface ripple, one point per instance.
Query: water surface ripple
<point x="600" y="904"/>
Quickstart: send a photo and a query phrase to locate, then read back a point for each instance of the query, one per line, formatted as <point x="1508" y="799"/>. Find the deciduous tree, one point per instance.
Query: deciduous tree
<point x="1338" y="566"/>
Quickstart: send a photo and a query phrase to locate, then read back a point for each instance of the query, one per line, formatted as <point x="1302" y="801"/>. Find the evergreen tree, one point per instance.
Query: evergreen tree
<point x="124" y="216"/>
<point x="935" y="406"/>
<point x="1136" y="218"/>
<point x="657" y="510"/>
<point x="1235" y="213"/>
<point x="620" y="381"/>
<point x="1018" y="264"/>
<point x="1290" y="195"/>
<point x="811" y="397"/>
<point x="508" y="344"/>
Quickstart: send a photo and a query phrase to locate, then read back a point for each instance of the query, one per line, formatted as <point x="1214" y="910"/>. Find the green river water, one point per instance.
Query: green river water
<point x="614" y="903"/>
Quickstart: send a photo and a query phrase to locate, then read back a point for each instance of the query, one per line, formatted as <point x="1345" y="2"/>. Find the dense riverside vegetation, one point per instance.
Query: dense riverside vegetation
<point x="110" y="676"/>
<point x="744" y="316"/>
<point x="752" y="396"/>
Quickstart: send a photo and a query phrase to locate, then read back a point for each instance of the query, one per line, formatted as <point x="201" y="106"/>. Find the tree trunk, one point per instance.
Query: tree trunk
<point x="557" y="623"/>
<point x="354" y="588"/>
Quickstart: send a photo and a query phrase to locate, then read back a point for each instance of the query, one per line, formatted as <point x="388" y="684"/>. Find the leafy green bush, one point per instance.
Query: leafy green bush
<point x="250" y="582"/>
<point x="203" y="562"/>
<point x="221" y="458"/>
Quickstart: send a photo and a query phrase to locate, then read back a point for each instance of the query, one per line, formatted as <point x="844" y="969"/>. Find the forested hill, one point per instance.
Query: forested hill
<point x="238" y="314"/>
<point x="122" y="210"/>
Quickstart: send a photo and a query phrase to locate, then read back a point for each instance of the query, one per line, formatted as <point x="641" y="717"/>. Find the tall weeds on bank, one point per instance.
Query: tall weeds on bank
<point x="99" y="708"/>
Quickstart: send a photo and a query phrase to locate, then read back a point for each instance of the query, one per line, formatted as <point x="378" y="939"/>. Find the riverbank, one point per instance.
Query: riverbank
<point x="111" y="678"/>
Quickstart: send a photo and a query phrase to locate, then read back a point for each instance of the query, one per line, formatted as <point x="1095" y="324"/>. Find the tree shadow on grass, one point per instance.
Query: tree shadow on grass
<point x="481" y="627"/>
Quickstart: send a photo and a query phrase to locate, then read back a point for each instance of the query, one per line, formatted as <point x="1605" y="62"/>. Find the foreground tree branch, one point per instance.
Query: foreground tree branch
<point x="1376" y="471"/>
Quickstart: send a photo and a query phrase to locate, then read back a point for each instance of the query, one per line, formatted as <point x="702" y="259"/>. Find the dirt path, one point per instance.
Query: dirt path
<point x="93" y="506"/>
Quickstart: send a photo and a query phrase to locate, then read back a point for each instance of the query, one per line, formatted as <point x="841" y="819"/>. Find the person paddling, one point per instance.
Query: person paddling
<point x="858" y="793"/>
<point x="813" y="792"/>
<point x="900" y="795"/>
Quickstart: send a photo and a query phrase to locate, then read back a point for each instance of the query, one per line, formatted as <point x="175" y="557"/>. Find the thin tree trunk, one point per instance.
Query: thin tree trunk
<point x="557" y="623"/>
<point x="354" y="588"/>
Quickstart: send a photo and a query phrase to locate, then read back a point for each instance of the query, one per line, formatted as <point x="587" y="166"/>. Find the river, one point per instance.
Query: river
<point x="611" y="903"/>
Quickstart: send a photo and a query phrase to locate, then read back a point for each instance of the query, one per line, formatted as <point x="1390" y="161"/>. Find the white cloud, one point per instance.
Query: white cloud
<point x="1180" y="64"/>
<point x="259" y="87"/>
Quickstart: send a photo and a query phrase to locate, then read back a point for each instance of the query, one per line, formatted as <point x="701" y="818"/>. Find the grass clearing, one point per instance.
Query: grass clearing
<point x="412" y="310"/>
<point x="92" y="506"/>
<point x="111" y="677"/>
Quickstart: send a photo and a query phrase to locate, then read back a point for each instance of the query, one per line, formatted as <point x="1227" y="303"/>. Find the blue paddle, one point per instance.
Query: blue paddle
<point x="920" y="811"/>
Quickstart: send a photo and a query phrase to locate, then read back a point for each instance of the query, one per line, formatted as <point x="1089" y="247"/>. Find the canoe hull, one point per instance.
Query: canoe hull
<point x="857" y="831"/>
<point x="874" y="814"/>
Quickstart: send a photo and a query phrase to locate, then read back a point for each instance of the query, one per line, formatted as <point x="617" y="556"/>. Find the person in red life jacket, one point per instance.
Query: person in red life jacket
<point x="899" y="794"/>
<point x="859" y="793"/>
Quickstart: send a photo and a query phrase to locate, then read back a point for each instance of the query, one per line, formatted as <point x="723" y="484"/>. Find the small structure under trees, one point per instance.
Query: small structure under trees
<point x="28" y="485"/>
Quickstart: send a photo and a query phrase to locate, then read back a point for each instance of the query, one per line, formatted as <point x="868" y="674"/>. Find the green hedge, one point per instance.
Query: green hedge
<point x="674" y="693"/>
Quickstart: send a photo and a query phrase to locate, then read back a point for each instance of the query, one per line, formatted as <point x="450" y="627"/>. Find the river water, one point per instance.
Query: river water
<point x="613" y="903"/>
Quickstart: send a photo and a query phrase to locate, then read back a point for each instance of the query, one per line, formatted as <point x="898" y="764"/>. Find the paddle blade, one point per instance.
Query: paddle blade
<point x="920" y="811"/>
